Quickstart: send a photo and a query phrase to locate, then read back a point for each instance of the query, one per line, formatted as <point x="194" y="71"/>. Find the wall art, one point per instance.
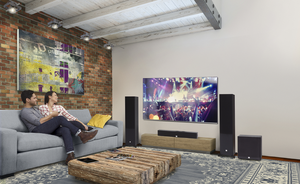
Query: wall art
<point x="47" y="65"/>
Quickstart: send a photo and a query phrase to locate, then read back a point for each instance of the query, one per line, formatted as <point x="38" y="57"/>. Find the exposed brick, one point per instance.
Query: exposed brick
<point x="5" y="46"/>
<point x="98" y="68"/>
<point x="13" y="26"/>
<point x="41" y="19"/>
<point x="13" y="99"/>
<point x="10" y="51"/>
<point x="5" y="31"/>
<point x="4" y="106"/>
<point x="5" y="76"/>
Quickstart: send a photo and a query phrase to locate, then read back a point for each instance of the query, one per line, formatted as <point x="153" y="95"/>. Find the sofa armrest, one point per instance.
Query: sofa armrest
<point x="8" y="151"/>
<point x="120" y="125"/>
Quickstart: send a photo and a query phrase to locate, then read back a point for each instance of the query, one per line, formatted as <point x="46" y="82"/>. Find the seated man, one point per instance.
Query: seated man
<point x="51" y="124"/>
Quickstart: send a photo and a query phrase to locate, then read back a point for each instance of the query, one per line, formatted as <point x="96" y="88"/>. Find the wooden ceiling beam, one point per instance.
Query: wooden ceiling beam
<point x="101" y="13"/>
<point x="41" y="5"/>
<point x="147" y="22"/>
<point x="162" y="34"/>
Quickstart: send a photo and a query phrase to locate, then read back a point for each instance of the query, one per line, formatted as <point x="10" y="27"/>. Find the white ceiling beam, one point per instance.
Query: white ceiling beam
<point x="101" y="13"/>
<point x="41" y="5"/>
<point x="162" y="34"/>
<point x="146" y="22"/>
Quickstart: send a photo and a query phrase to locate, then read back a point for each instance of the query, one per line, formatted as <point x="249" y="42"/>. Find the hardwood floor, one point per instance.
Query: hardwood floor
<point x="270" y="158"/>
<point x="281" y="159"/>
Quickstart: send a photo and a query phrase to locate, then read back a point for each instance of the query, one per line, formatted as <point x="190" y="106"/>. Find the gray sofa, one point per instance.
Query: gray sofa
<point x="21" y="150"/>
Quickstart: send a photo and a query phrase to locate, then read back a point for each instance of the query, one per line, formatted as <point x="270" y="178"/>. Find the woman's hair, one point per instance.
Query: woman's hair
<point x="49" y="93"/>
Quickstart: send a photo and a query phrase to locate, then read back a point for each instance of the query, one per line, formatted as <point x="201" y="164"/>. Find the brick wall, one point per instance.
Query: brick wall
<point x="97" y="64"/>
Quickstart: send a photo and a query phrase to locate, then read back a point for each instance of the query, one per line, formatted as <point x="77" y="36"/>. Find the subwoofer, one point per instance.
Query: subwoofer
<point x="131" y="121"/>
<point x="227" y="125"/>
<point x="249" y="147"/>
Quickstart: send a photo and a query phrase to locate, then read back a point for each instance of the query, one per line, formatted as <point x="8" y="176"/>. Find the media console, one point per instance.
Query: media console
<point x="201" y="144"/>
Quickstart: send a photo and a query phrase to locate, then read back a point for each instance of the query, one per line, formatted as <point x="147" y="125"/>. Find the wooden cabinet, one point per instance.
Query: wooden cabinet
<point x="201" y="144"/>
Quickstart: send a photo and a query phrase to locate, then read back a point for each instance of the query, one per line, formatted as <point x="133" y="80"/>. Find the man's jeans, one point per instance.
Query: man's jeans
<point x="66" y="130"/>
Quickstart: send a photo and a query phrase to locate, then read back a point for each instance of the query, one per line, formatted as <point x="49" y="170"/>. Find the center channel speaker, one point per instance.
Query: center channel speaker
<point x="227" y="125"/>
<point x="131" y="121"/>
<point x="183" y="134"/>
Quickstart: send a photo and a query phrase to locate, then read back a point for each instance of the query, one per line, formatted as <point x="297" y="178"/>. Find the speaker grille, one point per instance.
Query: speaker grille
<point x="131" y="121"/>
<point x="250" y="147"/>
<point x="227" y="114"/>
<point x="227" y="125"/>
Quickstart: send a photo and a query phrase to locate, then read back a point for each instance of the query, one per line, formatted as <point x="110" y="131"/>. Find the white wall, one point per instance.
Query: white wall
<point x="256" y="56"/>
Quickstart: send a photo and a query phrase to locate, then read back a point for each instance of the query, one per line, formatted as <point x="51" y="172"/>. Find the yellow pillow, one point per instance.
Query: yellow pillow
<point x="99" y="120"/>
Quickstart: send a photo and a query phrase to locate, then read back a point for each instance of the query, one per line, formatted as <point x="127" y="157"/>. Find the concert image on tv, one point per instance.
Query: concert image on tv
<point x="187" y="99"/>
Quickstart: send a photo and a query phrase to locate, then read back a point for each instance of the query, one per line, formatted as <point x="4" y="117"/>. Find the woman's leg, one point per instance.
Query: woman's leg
<point x="78" y="125"/>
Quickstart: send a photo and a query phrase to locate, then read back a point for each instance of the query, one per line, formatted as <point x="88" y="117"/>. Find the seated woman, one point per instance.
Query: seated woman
<point x="50" y="106"/>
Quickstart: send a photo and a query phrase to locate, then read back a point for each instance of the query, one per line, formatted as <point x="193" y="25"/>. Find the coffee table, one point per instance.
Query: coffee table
<point x="147" y="166"/>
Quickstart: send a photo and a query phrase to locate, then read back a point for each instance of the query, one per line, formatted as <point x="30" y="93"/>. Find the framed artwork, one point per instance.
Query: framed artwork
<point x="185" y="99"/>
<point x="47" y="65"/>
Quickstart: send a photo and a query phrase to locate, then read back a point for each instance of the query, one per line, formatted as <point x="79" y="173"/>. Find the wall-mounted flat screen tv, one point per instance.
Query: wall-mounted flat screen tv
<point x="184" y="99"/>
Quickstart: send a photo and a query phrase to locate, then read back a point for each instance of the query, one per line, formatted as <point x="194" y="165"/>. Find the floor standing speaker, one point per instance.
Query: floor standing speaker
<point x="249" y="147"/>
<point x="131" y="121"/>
<point x="227" y="125"/>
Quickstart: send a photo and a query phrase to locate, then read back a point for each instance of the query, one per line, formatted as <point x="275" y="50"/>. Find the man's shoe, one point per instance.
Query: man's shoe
<point x="86" y="136"/>
<point x="70" y="157"/>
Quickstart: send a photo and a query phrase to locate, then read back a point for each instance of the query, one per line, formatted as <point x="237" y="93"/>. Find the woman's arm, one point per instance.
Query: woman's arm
<point x="65" y="113"/>
<point x="86" y="128"/>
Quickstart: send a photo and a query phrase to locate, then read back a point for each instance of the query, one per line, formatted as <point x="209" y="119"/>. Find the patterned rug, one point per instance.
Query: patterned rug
<point x="196" y="168"/>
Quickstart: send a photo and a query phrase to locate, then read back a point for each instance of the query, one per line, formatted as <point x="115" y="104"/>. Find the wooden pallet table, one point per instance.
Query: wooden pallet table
<point x="147" y="166"/>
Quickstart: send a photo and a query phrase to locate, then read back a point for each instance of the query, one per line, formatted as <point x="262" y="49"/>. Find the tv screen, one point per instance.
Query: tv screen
<point x="185" y="99"/>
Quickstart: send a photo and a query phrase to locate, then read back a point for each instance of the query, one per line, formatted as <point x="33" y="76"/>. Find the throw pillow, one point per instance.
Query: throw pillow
<point x="99" y="120"/>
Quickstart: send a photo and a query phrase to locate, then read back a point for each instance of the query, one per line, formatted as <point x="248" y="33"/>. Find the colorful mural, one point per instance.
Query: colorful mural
<point x="45" y="65"/>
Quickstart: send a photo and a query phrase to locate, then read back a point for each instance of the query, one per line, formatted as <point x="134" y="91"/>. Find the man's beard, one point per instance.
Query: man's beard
<point x="32" y="104"/>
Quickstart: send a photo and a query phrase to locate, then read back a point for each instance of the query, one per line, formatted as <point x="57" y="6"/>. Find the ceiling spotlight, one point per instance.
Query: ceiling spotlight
<point x="54" y="24"/>
<point x="108" y="46"/>
<point x="86" y="37"/>
<point x="12" y="7"/>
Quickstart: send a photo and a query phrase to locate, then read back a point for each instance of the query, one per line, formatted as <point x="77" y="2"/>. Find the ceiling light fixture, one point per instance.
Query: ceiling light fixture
<point x="54" y="24"/>
<point x="12" y="7"/>
<point x="108" y="46"/>
<point x="86" y="37"/>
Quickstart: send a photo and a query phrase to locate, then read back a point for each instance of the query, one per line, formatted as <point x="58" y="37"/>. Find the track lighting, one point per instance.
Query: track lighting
<point x="54" y="24"/>
<point x="108" y="46"/>
<point x="12" y="7"/>
<point x="86" y="37"/>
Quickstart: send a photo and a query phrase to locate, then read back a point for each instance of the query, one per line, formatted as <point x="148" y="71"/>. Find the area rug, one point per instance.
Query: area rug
<point x="196" y="168"/>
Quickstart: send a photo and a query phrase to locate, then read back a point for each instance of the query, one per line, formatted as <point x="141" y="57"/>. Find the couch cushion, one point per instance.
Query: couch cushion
<point x="83" y="115"/>
<point x="35" y="141"/>
<point x="11" y="119"/>
<point x="107" y="131"/>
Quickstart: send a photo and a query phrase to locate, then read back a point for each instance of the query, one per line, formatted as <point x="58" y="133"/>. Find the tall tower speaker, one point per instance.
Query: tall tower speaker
<point x="227" y="125"/>
<point x="131" y="121"/>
